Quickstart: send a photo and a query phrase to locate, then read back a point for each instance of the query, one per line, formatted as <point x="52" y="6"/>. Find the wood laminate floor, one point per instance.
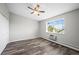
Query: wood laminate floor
<point x="38" y="46"/>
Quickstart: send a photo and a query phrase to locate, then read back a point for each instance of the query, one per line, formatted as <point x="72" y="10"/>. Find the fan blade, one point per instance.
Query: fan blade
<point x="42" y="11"/>
<point x="32" y="12"/>
<point x="30" y="8"/>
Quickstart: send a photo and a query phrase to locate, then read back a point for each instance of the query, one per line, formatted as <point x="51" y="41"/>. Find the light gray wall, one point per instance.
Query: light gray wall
<point x="4" y="27"/>
<point x="71" y="36"/>
<point x="4" y="10"/>
<point x="22" y="28"/>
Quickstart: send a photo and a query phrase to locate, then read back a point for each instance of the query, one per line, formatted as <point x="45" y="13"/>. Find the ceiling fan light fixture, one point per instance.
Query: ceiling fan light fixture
<point x="36" y="13"/>
<point x="36" y="10"/>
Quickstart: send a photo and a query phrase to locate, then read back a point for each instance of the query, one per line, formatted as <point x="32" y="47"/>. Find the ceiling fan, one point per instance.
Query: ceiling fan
<point x="36" y="10"/>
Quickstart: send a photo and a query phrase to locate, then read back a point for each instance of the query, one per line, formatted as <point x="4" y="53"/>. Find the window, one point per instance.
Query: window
<point x="55" y="26"/>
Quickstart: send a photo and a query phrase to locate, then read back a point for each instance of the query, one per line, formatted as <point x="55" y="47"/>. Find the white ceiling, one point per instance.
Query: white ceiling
<point x="51" y="9"/>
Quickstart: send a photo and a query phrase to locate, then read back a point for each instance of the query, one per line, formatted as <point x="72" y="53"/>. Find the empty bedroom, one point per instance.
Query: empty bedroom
<point x="39" y="28"/>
